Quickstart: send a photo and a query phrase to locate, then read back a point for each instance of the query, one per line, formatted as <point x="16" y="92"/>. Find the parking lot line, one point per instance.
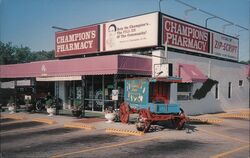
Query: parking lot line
<point x="26" y="129"/>
<point x="14" y="116"/>
<point x="44" y="120"/>
<point x="224" y="136"/>
<point x="105" y="147"/>
<point x="12" y="122"/>
<point x="230" y="151"/>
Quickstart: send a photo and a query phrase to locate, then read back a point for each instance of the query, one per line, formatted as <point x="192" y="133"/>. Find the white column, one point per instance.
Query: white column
<point x="158" y="57"/>
<point x="62" y="93"/>
<point x="173" y="93"/>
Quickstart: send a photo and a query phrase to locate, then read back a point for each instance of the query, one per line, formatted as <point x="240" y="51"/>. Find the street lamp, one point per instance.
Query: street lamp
<point x="159" y="5"/>
<point x="213" y="17"/>
<point x="59" y="28"/>
<point x="225" y="25"/>
<point x="189" y="10"/>
<point x="238" y="34"/>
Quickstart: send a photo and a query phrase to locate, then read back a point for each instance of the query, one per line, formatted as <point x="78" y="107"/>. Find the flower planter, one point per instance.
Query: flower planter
<point x="11" y="109"/>
<point x="51" y="111"/>
<point x="76" y="113"/>
<point x="29" y="108"/>
<point x="110" y="117"/>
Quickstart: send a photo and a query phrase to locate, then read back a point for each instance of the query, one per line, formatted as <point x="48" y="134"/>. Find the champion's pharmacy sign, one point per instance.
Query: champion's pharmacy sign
<point x="77" y="41"/>
<point x="181" y="35"/>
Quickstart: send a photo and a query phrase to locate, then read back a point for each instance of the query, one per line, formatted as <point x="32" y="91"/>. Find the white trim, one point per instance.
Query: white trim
<point x="61" y="78"/>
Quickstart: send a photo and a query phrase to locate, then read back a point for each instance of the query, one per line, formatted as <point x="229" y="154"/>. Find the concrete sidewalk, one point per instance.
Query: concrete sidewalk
<point x="96" y="121"/>
<point x="90" y="122"/>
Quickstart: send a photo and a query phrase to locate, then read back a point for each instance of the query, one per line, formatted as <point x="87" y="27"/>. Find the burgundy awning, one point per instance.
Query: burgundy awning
<point x="101" y="65"/>
<point x="190" y="73"/>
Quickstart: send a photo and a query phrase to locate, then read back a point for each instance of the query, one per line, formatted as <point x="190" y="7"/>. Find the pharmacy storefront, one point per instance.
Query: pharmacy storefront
<point x="93" y="61"/>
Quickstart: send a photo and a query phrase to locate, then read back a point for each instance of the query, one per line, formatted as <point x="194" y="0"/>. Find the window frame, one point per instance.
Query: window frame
<point x="186" y="95"/>
<point x="229" y="95"/>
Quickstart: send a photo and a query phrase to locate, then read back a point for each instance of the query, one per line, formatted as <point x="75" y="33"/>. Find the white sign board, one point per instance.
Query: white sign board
<point x="23" y="82"/>
<point x="10" y="84"/>
<point x="27" y="97"/>
<point x="134" y="32"/>
<point x="115" y="93"/>
<point x="160" y="70"/>
<point x="224" y="46"/>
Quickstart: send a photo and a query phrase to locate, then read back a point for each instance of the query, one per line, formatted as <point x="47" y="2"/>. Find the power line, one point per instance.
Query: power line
<point x="212" y="15"/>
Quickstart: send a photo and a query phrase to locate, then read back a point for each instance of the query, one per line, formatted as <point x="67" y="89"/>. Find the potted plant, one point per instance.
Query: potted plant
<point x="51" y="106"/>
<point x="77" y="108"/>
<point x="110" y="115"/>
<point x="11" y="105"/>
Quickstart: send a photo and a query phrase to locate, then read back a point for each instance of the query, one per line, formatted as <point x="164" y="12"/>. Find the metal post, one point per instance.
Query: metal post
<point x="166" y="51"/>
<point x="34" y="83"/>
<point x="160" y="5"/>
<point x="57" y="96"/>
<point x="15" y="95"/>
<point x="115" y="87"/>
<point x="103" y="93"/>
<point x="83" y="96"/>
<point x="92" y="84"/>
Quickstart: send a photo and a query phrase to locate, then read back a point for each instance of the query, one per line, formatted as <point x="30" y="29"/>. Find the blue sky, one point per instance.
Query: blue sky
<point x="29" y="22"/>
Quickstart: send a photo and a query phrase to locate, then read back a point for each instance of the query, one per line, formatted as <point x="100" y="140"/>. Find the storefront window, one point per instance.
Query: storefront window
<point x="99" y="92"/>
<point x="184" y="91"/>
<point x="108" y="87"/>
<point x="97" y="89"/>
<point x="89" y="102"/>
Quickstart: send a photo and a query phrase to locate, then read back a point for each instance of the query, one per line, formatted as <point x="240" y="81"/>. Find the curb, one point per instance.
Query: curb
<point x="78" y="125"/>
<point x="206" y="120"/>
<point x="122" y="131"/>
<point x="235" y="116"/>
<point x="12" y="122"/>
<point x="16" y="117"/>
<point x="44" y="120"/>
<point x="245" y="112"/>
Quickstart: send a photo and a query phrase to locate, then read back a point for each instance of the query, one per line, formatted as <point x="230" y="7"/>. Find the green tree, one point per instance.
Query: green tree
<point x="22" y="54"/>
<point x="12" y="54"/>
<point x="7" y="53"/>
<point x="42" y="55"/>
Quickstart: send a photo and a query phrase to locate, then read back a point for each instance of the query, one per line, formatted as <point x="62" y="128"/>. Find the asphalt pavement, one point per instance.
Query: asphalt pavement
<point x="38" y="135"/>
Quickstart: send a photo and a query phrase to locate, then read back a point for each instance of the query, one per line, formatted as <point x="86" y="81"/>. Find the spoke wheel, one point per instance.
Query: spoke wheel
<point x="177" y="122"/>
<point x="39" y="105"/>
<point x="124" y="112"/>
<point x="142" y="124"/>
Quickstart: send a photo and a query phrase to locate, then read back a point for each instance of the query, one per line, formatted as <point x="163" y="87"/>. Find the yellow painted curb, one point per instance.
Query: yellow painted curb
<point x="13" y="116"/>
<point x="236" y="116"/>
<point x="79" y="125"/>
<point x="245" y="112"/>
<point x="206" y="120"/>
<point x="12" y="122"/>
<point x="122" y="131"/>
<point x="44" y="120"/>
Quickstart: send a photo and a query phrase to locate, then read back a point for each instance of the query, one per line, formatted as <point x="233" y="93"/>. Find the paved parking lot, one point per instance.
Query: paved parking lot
<point x="27" y="138"/>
